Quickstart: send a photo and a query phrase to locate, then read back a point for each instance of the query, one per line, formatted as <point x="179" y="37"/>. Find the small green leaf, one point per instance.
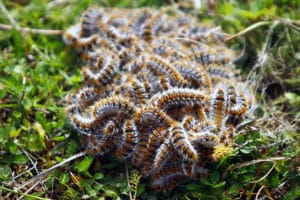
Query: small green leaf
<point x="64" y="178"/>
<point x="90" y="190"/>
<point x="240" y="139"/>
<point x="33" y="196"/>
<point x="97" y="186"/>
<point x="293" y="99"/>
<point x="58" y="138"/>
<point x="3" y="92"/>
<point x="205" y="181"/>
<point x="4" y="172"/>
<point x="16" y="159"/>
<point x="151" y="197"/>
<point x="111" y="193"/>
<point x="140" y="189"/>
<point x="245" y="150"/>
<point x="85" y="164"/>
<point x="214" y="177"/>
<point x="274" y="180"/>
<point x="11" y="146"/>
<point x="15" y="133"/>
<point x="193" y="186"/>
<point x="98" y="176"/>
<point x="18" y="114"/>
<point x="234" y="189"/>
<point x="40" y="130"/>
<point x="221" y="184"/>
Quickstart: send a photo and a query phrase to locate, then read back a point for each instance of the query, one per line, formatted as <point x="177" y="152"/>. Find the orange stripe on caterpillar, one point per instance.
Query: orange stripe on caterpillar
<point x="181" y="143"/>
<point x="218" y="108"/>
<point x="164" y="82"/>
<point x="129" y="140"/>
<point x="202" y="116"/>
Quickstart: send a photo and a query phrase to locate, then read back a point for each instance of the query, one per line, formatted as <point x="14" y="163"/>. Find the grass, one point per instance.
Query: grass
<point x="37" y="71"/>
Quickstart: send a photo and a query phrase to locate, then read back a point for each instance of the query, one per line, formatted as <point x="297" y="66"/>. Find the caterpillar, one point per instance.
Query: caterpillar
<point x="167" y="178"/>
<point x="162" y="153"/>
<point x="128" y="141"/>
<point x="181" y="143"/>
<point x="218" y="107"/>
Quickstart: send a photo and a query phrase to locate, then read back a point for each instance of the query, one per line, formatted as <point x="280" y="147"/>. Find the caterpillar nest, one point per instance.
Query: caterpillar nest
<point x="159" y="91"/>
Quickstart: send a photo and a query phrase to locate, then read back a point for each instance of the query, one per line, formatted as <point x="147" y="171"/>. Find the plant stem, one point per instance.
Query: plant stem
<point x="21" y="193"/>
<point x="31" y="30"/>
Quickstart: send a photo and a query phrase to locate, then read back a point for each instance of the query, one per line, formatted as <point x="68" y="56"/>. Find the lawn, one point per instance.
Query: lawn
<point x="38" y="71"/>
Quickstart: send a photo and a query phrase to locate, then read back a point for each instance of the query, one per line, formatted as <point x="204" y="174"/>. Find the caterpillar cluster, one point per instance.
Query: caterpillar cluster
<point x="159" y="91"/>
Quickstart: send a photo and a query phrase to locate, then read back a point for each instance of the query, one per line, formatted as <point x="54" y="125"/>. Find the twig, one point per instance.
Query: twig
<point x="27" y="191"/>
<point x="269" y="195"/>
<point x="259" y="191"/>
<point x="287" y="22"/>
<point x="127" y="177"/>
<point x="252" y="162"/>
<point x="245" y="123"/>
<point x="264" y="176"/>
<point x="248" y="29"/>
<point x="22" y="173"/>
<point x="31" y="30"/>
<point x="262" y="58"/>
<point x="47" y="171"/>
<point x="190" y="40"/>
<point x="32" y="162"/>
<point x="195" y="42"/>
